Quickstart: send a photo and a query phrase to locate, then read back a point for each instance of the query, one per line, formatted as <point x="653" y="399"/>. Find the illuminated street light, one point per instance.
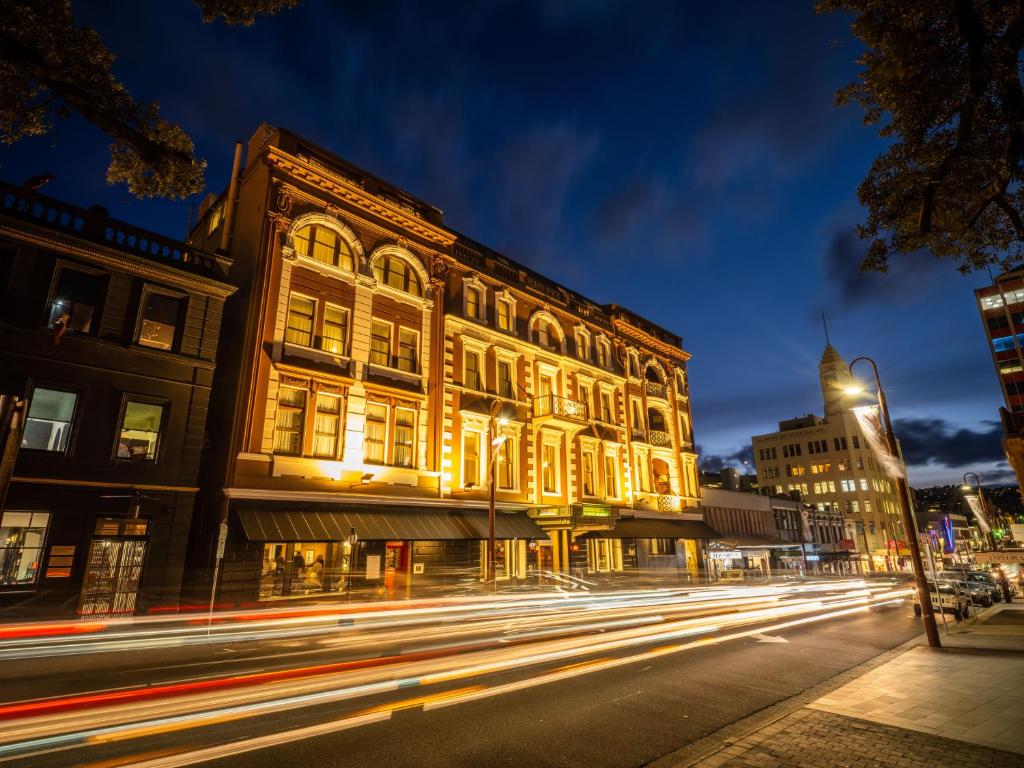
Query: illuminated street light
<point x="982" y="504"/>
<point x="909" y="528"/>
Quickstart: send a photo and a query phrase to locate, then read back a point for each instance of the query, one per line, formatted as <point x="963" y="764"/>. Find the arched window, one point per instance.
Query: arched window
<point x="396" y="273"/>
<point x="652" y="374"/>
<point x="546" y="335"/>
<point x="323" y="244"/>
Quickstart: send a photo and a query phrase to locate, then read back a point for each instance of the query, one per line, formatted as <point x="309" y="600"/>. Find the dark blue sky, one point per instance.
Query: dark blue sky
<point x="684" y="161"/>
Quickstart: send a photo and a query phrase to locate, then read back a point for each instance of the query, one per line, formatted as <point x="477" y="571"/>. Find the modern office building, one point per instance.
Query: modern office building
<point x="384" y="369"/>
<point x="829" y="462"/>
<point x="108" y="342"/>
<point x="1001" y="305"/>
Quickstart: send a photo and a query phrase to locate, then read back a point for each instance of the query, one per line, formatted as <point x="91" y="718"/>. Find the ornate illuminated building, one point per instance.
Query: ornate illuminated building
<point x="830" y="463"/>
<point x="377" y="367"/>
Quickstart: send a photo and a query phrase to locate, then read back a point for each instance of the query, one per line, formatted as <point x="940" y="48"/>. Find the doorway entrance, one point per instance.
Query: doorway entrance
<point x="112" y="574"/>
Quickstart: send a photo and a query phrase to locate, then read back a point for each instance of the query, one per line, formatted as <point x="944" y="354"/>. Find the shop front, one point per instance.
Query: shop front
<point x="650" y="545"/>
<point x="275" y="553"/>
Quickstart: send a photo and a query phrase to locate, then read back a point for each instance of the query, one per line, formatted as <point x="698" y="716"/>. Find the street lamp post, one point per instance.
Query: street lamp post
<point x="982" y="503"/>
<point x="909" y="529"/>
<point x="494" y="442"/>
<point x="352" y="540"/>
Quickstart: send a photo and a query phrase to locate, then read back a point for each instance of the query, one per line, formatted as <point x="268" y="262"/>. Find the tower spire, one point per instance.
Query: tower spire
<point x="824" y="322"/>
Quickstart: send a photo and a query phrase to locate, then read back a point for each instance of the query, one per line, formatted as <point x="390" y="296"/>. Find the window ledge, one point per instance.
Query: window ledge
<point x="314" y="353"/>
<point x="394" y="373"/>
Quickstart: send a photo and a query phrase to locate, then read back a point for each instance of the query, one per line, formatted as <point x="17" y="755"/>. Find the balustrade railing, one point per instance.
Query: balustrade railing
<point x="96" y="226"/>
<point x="660" y="438"/>
<point x="654" y="389"/>
<point x="553" y="405"/>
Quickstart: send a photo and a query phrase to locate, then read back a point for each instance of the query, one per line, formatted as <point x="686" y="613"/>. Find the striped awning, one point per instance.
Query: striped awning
<point x="657" y="528"/>
<point x="383" y="525"/>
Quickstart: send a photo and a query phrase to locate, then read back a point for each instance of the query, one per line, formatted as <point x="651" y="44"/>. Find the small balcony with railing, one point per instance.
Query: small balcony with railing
<point x="562" y="412"/>
<point x="656" y="389"/>
<point x="659" y="438"/>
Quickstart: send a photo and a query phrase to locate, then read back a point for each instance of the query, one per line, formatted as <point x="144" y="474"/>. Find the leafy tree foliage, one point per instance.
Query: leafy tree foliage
<point x="49" y="67"/>
<point x="941" y="81"/>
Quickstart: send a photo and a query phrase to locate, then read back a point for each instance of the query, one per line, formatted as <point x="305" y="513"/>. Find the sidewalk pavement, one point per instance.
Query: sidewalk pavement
<point x="960" y="706"/>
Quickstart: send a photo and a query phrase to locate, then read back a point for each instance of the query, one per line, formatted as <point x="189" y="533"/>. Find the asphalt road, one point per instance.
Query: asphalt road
<point x="628" y="716"/>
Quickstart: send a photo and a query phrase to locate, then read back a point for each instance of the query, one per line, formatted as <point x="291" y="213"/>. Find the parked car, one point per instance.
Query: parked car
<point x="979" y="591"/>
<point x="974" y="576"/>
<point x="947" y="598"/>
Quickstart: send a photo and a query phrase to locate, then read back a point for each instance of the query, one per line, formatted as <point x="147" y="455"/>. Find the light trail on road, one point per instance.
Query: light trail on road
<point x="486" y="646"/>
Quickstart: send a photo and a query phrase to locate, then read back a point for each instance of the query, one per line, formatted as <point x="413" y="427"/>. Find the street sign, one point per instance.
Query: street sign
<point x="222" y="539"/>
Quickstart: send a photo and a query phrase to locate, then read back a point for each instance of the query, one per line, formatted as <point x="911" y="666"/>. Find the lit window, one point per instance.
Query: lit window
<point x="405" y="431"/>
<point x="583" y="346"/>
<point x="161" y="315"/>
<point x="471" y="374"/>
<point x="375" y="433"/>
<point x="326" y="426"/>
<point x="602" y="354"/>
<point x="611" y="477"/>
<point x="473" y="303"/>
<point x="585" y="399"/>
<point x="606" y="408"/>
<point x="291" y="417"/>
<point x="470" y="458"/>
<point x="394" y="272"/>
<point x="380" y="343"/>
<point x="588" y="473"/>
<point x="301" y="312"/>
<point x="504" y="316"/>
<point x="140" y="431"/>
<point x="48" y="425"/>
<point x="335" y="336"/>
<point x="505" y="468"/>
<point x="76" y="300"/>
<point x="216" y="217"/>
<point x="504" y="378"/>
<point x="549" y="469"/>
<point x="407" y="351"/>
<point x="22" y="536"/>
<point x="863" y="484"/>
<point x="323" y="244"/>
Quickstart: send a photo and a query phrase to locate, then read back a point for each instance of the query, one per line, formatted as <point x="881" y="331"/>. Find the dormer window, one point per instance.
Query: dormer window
<point x="505" y="311"/>
<point x="396" y="273"/>
<point x="603" y="354"/>
<point x="323" y="244"/>
<point x="583" y="344"/>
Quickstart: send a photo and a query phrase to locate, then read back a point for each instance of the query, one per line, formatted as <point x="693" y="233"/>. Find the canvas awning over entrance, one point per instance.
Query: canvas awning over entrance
<point x="387" y="525"/>
<point x="656" y="528"/>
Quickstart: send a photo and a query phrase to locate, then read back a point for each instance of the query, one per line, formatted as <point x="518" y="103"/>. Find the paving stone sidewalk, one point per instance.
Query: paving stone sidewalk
<point x="809" y="738"/>
<point x="915" y="707"/>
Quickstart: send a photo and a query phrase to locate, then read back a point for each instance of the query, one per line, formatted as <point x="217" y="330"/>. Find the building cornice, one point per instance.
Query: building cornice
<point x="343" y="189"/>
<point x="115" y="259"/>
<point x="630" y="331"/>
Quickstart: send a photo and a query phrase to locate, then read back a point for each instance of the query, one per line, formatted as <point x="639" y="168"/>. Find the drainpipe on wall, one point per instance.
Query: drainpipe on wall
<point x="227" y="228"/>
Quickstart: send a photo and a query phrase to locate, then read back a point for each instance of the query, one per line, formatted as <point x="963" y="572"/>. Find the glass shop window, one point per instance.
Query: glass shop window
<point x="22" y="536"/>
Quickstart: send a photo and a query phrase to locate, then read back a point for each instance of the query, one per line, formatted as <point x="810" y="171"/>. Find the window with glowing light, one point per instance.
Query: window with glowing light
<point x="375" y="432"/>
<point x="394" y="272"/>
<point x="289" y="422"/>
<point x="301" y="314"/>
<point x="326" y="426"/>
<point x="76" y="299"/>
<point x="335" y="335"/>
<point x="323" y="244"/>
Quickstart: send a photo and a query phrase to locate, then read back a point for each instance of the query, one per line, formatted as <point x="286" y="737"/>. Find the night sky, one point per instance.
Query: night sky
<point x="684" y="161"/>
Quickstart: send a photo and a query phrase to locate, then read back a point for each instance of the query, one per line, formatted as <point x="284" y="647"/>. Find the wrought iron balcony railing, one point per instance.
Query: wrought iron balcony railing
<point x="654" y="389"/>
<point x="660" y="437"/>
<point x="553" y="405"/>
<point x="669" y="502"/>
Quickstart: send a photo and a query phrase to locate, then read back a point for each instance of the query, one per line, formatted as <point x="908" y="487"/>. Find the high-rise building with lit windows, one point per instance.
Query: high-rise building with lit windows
<point x="1001" y="305"/>
<point x="828" y="461"/>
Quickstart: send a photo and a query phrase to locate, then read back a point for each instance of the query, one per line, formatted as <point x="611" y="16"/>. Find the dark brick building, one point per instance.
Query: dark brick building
<point x="109" y="335"/>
